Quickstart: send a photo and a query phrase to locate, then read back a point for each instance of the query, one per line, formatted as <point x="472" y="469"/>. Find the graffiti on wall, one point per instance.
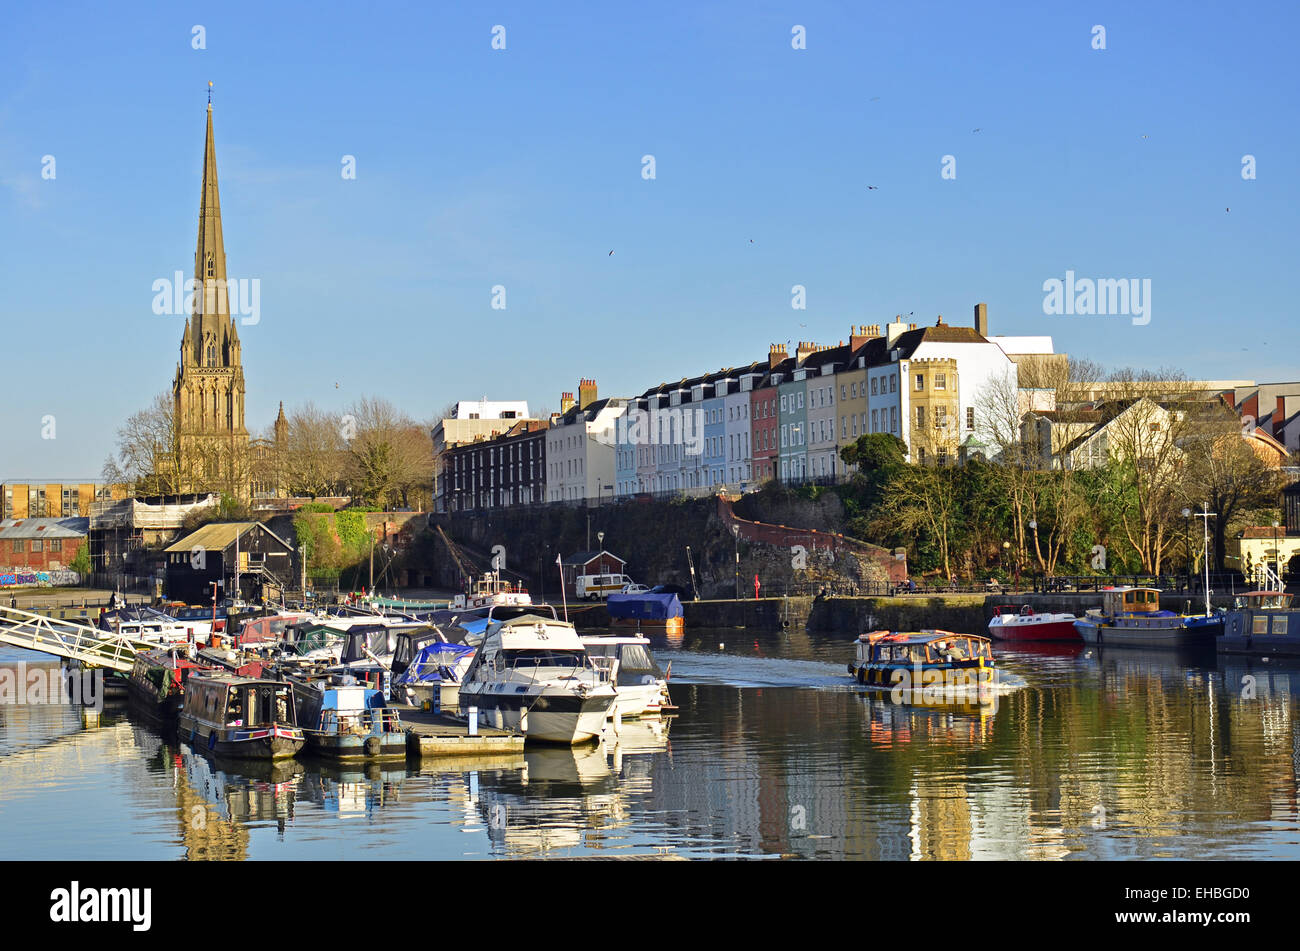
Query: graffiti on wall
<point x="21" y="577"/>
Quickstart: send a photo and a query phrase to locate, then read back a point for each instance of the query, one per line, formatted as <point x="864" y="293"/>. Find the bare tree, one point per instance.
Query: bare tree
<point x="147" y="455"/>
<point x="388" y="454"/>
<point x="925" y="497"/>
<point x="1152" y="414"/>
<point x="1224" y="471"/>
<point x="314" y="460"/>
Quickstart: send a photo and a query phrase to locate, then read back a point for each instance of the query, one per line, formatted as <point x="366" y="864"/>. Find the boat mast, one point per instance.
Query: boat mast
<point x="1205" y="514"/>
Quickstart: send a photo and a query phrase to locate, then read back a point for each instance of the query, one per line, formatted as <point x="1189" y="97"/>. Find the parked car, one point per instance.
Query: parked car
<point x="634" y="588"/>
<point x="599" y="587"/>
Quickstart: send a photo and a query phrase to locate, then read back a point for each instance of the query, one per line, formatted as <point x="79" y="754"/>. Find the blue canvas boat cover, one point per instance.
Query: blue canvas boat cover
<point x="647" y="607"/>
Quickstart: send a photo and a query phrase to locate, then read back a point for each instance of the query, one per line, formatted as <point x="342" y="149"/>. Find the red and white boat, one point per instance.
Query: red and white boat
<point x="1010" y="624"/>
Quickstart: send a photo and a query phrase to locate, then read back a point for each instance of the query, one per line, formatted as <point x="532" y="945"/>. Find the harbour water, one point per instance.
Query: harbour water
<point x="1110" y="754"/>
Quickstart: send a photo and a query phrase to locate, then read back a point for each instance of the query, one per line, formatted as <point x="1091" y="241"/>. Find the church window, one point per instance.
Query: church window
<point x="212" y="265"/>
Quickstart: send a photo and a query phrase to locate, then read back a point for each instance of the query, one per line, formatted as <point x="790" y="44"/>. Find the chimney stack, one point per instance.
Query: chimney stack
<point x="803" y="351"/>
<point x="566" y="402"/>
<point x="894" y="330"/>
<point x="982" y="319"/>
<point x="586" y="393"/>
<point x="775" y="355"/>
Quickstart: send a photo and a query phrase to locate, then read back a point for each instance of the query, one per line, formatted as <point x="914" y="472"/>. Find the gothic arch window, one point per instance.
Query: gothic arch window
<point x="212" y="352"/>
<point x="212" y="265"/>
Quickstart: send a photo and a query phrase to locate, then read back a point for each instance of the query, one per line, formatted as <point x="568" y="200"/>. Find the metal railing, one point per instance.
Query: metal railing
<point x="70" y="640"/>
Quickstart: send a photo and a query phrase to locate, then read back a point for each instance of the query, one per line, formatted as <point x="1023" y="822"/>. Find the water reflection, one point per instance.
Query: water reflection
<point x="1103" y="753"/>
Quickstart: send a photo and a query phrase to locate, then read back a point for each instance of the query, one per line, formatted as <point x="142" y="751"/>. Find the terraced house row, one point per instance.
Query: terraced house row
<point x="788" y="418"/>
<point x="784" y="418"/>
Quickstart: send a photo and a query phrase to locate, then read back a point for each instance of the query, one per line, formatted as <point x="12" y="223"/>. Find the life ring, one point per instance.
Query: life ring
<point x="1026" y="611"/>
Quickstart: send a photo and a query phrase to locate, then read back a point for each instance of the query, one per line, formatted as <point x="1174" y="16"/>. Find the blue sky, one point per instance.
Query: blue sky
<point x="522" y="167"/>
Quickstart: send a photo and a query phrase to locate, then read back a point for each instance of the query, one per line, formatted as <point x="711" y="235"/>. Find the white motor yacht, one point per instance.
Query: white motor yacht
<point x="532" y="675"/>
<point x="641" y="686"/>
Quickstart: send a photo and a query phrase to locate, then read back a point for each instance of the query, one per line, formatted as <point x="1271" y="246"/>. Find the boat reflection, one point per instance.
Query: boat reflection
<point x="243" y="791"/>
<point x="630" y="750"/>
<point x="564" y="799"/>
<point x="893" y="723"/>
<point x="354" y="790"/>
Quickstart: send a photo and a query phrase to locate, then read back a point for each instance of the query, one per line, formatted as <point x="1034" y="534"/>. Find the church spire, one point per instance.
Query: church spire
<point x="211" y="304"/>
<point x="208" y="393"/>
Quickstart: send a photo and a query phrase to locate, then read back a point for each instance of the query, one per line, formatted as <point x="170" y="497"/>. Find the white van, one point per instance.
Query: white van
<point x="599" y="587"/>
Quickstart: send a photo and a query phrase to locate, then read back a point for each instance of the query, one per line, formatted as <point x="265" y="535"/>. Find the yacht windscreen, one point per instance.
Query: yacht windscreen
<point x="544" y="658"/>
<point x="634" y="658"/>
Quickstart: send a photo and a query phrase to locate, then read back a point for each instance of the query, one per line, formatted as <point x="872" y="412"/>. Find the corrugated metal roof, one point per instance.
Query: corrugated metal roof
<point x="217" y="536"/>
<point x="44" y="527"/>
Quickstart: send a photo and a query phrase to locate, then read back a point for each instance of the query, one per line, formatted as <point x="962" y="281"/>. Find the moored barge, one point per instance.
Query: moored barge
<point x="239" y="717"/>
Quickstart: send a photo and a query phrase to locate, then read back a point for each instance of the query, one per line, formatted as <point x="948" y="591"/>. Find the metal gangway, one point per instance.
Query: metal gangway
<point x="71" y="640"/>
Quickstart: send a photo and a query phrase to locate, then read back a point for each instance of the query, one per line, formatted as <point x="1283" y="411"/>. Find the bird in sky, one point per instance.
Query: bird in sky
<point x="611" y="252"/>
<point x="1146" y="136"/>
<point x="1227" y="209"/>
<point x="872" y="187"/>
<point x="974" y="130"/>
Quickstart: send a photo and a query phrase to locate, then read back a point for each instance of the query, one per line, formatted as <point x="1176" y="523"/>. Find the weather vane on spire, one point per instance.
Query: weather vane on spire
<point x="209" y="92"/>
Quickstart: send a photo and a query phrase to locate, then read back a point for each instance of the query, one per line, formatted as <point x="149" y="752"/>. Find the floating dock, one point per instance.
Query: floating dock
<point x="439" y="734"/>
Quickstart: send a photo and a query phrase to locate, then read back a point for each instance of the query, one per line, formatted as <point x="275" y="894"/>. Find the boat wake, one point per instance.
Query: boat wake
<point x="732" y="671"/>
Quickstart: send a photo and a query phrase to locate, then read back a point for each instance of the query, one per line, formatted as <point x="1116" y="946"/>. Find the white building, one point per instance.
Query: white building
<point x="472" y="419"/>
<point x="581" y="446"/>
<point x="739" y="459"/>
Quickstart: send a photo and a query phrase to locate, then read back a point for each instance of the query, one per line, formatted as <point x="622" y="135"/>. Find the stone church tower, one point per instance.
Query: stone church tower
<point x="212" y="443"/>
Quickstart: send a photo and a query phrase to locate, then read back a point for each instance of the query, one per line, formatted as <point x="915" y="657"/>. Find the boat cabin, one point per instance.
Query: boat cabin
<point x="530" y="644"/>
<point x="1269" y="612"/>
<point x="921" y="648"/>
<point x="490" y="589"/>
<point x="239" y="701"/>
<point x="363" y="640"/>
<point x="268" y="629"/>
<point x="1264" y="600"/>
<point x="628" y="657"/>
<point x="1117" y="601"/>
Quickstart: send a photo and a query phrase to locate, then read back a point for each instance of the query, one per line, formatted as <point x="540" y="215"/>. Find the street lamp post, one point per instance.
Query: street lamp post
<point x="1033" y="527"/>
<point x="735" y="532"/>
<point x="1187" y="547"/>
